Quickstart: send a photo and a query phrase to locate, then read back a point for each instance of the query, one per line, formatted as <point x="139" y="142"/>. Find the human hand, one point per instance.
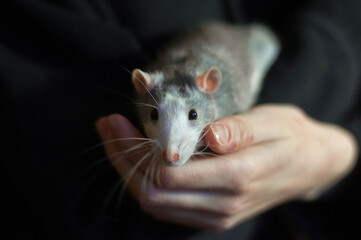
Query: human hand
<point x="268" y="155"/>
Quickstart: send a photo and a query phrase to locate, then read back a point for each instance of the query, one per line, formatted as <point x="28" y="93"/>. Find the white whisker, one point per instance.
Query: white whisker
<point x="154" y="167"/>
<point x="127" y="177"/>
<point x="110" y="90"/>
<point x="209" y="128"/>
<point x="116" y="154"/>
<point x="115" y="140"/>
<point x="147" y="176"/>
<point x="147" y="105"/>
<point x="145" y="87"/>
<point x="204" y="149"/>
<point x="129" y="152"/>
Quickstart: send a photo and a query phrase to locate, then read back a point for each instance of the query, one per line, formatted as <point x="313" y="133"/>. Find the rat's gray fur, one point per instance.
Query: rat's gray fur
<point x="242" y="53"/>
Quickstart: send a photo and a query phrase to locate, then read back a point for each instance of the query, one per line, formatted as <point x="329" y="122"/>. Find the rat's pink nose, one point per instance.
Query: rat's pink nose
<point x="170" y="158"/>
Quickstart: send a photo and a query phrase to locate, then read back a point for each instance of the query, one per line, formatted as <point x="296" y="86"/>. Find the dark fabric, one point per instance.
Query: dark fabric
<point x="62" y="66"/>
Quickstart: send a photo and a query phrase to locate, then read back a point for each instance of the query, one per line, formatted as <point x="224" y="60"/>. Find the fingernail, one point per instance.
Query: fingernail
<point x="221" y="132"/>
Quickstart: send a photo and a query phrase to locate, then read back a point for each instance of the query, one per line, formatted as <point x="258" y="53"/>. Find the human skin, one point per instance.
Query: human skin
<point x="267" y="156"/>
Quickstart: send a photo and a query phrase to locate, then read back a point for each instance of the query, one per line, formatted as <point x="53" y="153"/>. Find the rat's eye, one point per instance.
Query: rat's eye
<point x="192" y="115"/>
<point x="154" y="115"/>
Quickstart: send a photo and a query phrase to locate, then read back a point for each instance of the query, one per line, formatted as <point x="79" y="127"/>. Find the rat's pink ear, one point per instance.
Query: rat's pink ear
<point x="210" y="81"/>
<point x="142" y="81"/>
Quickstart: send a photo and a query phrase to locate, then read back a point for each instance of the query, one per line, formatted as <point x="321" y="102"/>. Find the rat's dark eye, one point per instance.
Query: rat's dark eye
<point x="154" y="115"/>
<point x="192" y="115"/>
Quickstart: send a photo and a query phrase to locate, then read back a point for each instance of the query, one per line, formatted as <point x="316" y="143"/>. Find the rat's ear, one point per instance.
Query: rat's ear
<point x="210" y="81"/>
<point x="142" y="81"/>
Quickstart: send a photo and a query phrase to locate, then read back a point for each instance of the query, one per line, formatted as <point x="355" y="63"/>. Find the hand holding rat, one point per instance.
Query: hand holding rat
<point x="270" y="154"/>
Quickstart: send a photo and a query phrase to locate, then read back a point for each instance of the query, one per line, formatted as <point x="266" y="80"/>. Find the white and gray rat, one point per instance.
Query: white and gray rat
<point x="210" y="72"/>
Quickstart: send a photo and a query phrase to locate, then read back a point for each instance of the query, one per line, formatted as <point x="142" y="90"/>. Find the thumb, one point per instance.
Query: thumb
<point x="235" y="132"/>
<point x="229" y="134"/>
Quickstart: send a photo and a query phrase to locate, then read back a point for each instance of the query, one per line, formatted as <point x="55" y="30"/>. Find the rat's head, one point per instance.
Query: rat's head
<point x="178" y="108"/>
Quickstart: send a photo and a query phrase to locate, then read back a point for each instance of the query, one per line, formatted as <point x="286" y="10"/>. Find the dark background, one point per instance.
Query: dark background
<point x="60" y="69"/>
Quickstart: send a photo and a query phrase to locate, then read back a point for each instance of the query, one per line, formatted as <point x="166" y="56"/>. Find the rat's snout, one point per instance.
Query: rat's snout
<point x="170" y="157"/>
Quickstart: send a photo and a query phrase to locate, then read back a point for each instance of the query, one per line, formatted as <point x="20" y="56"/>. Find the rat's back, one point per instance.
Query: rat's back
<point x="242" y="53"/>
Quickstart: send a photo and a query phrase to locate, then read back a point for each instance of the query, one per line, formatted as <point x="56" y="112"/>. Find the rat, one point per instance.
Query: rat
<point x="212" y="71"/>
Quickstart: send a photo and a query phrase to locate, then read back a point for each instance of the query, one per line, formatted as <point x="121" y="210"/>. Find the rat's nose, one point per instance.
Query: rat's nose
<point x="169" y="157"/>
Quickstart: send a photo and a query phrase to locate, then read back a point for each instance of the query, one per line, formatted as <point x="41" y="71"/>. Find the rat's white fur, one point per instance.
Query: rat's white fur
<point x="172" y="130"/>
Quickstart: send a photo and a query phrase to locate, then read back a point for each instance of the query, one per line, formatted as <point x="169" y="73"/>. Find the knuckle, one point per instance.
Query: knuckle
<point x="297" y="117"/>
<point x="238" y="178"/>
<point x="279" y="109"/>
<point x="294" y="110"/>
<point x="250" y="171"/>
<point x="241" y="177"/>
<point x="238" y="185"/>
<point x="288" y="113"/>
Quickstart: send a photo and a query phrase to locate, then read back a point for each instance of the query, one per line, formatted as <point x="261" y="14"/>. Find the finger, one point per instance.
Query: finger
<point x="198" y="219"/>
<point x="190" y="218"/>
<point x="233" y="172"/>
<point x="212" y="202"/>
<point x="210" y="174"/>
<point x="118" y="128"/>
<point x="211" y="219"/>
<point x="222" y="196"/>
<point x="258" y="125"/>
<point x="122" y="141"/>
<point x="103" y="128"/>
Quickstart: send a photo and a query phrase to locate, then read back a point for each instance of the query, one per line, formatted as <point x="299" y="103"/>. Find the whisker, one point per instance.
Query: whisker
<point x="146" y="177"/>
<point x="144" y="182"/>
<point x="119" y="93"/>
<point x="145" y="87"/>
<point x="135" y="147"/>
<point x="127" y="177"/>
<point x="129" y="153"/>
<point x="158" y="172"/>
<point x="125" y="152"/>
<point x="209" y="128"/>
<point x="154" y="168"/>
<point x="123" y="183"/>
<point x="110" y="90"/>
<point x="114" y="140"/>
<point x="147" y="105"/>
<point x="204" y="149"/>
